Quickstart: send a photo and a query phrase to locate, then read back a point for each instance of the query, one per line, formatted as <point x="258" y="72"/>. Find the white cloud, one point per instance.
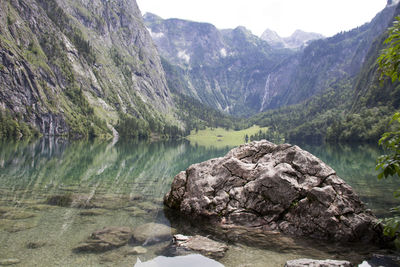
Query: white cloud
<point x="284" y="16"/>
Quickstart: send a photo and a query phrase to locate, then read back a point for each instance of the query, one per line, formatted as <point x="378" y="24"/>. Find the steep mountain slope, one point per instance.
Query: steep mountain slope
<point x="224" y="69"/>
<point x="237" y="72"/>
<point x="76" y="67"/>
<point x="297" y="40"/>
<point x="354" y="109"/>
<point x="322" y="63"/>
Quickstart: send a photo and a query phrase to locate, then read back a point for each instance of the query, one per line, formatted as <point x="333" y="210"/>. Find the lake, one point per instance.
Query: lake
<point x="127" y="182"/>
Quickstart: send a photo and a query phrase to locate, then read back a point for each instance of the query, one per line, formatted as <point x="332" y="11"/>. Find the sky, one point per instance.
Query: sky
<point x="327" y="17"/>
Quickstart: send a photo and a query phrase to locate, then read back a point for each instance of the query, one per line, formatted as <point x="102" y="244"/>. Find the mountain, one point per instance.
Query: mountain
<point x="78" y="68"/>
<point x="354" y="109"/>
<point x="237" y="72"/>
<point x="273" y="39"/>
<point x="224" y="69"/>
<point x="322" y="63"/>
<point x="297" y="40"/>
<point x="300" y="39"/>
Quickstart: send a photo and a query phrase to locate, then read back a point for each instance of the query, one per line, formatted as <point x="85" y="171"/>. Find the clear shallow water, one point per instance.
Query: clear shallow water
<point x="125" y="183"/>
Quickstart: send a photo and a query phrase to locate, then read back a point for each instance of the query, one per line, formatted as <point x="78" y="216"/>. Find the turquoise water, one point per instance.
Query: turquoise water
<point x="123" y="185"/>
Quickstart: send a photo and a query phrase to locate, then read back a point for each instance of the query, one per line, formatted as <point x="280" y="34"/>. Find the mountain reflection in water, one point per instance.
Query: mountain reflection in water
<point x="92" y="185"/>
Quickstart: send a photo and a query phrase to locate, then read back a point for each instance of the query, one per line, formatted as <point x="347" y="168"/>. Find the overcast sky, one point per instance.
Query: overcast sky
<point x="327" y="17"/>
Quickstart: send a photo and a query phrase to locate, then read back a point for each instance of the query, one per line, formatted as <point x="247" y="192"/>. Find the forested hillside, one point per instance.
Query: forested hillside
<point x="353" y="109"/>
<point x="90" y="69"/>
<point x="77" y="68"/>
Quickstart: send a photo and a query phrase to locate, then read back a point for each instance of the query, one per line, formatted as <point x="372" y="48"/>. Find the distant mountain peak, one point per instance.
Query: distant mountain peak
<point x="298" y="39"/>
<point x="152" y="17"/>
<point x="243" y="29"/>
<point x="272" y="38"/>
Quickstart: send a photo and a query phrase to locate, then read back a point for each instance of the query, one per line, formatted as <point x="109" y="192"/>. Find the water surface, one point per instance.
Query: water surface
<point x="125" y="183"/>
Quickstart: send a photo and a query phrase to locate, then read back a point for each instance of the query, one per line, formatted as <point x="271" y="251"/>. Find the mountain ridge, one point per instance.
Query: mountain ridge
<point x="254" y="76"/>
<point x="299" y="39"/>
<point x="77" y="68"/>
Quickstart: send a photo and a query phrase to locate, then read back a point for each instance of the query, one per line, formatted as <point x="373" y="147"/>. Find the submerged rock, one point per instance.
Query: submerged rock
<point x="105" y="239"/>
<point x="137" y="251"/>
<point x="274" y="188"/>
<point x="17" y="214"/>
<point x="317" y="263"/>
<point x="60" y="200"/>
<point x="12" y="226"/>
<point x="184" y="245"/>
<point x="35" y="245"/>
<point x="7" y="262"/>
<point x="151" y="233"/>
<point x="92" y="212"/>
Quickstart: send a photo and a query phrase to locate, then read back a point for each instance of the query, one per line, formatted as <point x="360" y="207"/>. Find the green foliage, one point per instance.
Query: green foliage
<point x="130" y="127"/>
<point x="83" y="46"/>
<point x="61" y="19"/>
<point x="389" y="164"/>
<point x="10" y="18"/>
<point x="270" y="135"/>
<point x="311" y="119"/>
<point x="389" y="59"/>
<point x="135" y="128"/>
<point x="15" y="129"/>
<point x="219" y="137"/>
<point x="196" y="115"/>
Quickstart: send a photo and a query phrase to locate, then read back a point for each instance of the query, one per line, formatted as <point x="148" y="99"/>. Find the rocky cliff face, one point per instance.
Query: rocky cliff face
<point x="322" y="63"/>
<point x="299" y="39"/>
<point x="223" y="69"/>
<point x="71" y="67"/>
<point x="239" y="73"/>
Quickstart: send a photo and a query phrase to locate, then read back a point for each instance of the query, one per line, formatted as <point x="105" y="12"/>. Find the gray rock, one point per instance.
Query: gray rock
<point x="137" y="251"/>
<point x="35" y="245"/>
<point x="274" y="188"/>
<point x="317" y="263"/>
<point x="151" y="233"/>
<point x="105" y="239"/>
<point x="184" y="245"/>
<point x="36" y="88"/>
<point x="382" y="260"/>
<point x="92" y="212"/>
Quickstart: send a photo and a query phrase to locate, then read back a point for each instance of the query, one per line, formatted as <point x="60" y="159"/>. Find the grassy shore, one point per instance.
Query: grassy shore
<point x="219" y="137"/>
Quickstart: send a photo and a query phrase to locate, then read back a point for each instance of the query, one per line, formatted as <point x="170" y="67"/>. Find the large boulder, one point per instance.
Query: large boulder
<point x="274" y="188"/>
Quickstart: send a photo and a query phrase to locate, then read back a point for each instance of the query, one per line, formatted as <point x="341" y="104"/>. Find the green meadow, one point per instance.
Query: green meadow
<point x="219" y="137"/>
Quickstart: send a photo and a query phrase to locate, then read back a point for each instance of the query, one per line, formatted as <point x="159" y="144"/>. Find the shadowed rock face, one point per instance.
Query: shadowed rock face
<point x="275" y="188"/>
